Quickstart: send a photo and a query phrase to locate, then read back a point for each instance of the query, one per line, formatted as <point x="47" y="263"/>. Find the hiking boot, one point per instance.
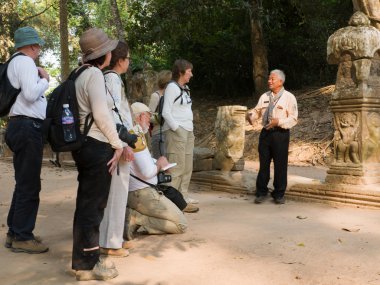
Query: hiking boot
<point x="114" y="252"/>
<point x="130" y="226"/>
<point x="100" y="272"/>
<point x="190" y="208"/>
<point x="29" y="246"/>
<point x="279" y="200"/>
<point x="108" y="263"/>
<point x="9" y="240"/>
<point x="191" y="200"/>
<point x="260" y="199"/>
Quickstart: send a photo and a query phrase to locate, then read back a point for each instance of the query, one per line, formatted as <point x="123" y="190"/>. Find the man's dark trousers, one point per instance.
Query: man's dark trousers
<point x="24" y="138"/>
<point x="273" y="144"/>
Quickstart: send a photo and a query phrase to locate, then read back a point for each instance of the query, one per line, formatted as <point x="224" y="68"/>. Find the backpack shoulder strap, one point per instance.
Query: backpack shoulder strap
<point x="180" y="88"/>
<point x="88" y="125"/>
<point x="160" y="98"/>
<point x="76" y="72"/>
<point x="13" y="56"/>
<point x="109" y="71"/>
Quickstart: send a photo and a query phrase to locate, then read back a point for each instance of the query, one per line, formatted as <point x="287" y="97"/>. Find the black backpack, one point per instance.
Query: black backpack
<point x="8" y="94"/>
<point x="65" y="94"/>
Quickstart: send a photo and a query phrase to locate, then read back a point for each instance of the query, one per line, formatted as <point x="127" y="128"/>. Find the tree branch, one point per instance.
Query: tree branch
<point x="35" y="15"/>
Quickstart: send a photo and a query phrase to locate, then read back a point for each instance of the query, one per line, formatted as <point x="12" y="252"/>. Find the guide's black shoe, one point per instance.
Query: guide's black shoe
<point x="279" y="200"/>
<point x="260" y="199"/>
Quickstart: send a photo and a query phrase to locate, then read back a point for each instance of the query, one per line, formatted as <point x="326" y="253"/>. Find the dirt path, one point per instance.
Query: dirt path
<point x="230" y="241"/>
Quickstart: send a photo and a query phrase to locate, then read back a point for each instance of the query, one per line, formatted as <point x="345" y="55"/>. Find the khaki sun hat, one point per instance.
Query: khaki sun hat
<point x="27" y="36"/>
<point x="95" y="43"/>
<point x="138" y="108"/>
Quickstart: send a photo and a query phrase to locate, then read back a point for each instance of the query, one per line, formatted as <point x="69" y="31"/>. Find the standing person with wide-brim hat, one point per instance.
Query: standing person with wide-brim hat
<point x="97" y="158"/>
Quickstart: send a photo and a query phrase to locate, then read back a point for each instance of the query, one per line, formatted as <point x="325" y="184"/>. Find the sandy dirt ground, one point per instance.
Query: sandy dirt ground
<point x="230" y="241"/>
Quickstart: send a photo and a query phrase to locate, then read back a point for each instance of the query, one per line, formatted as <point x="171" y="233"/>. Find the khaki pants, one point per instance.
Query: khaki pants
<point x="156" y="213"/>
<point x="179" y="149"/>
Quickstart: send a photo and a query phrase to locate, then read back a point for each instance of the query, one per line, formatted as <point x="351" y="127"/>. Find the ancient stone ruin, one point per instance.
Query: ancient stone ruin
<point x="355" y="102"/>
<point x="230" y="136"/>
<point x="354" y="175"/>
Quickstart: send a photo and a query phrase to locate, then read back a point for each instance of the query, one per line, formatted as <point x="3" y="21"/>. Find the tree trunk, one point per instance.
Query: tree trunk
<point x="117" y="20"/>
<point x="64" y="39"/>
<point x="122" y="37"/>
<point x="259" y="50"/>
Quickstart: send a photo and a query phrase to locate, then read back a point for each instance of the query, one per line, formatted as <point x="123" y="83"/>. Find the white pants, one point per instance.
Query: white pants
<point x="112" y="226"/>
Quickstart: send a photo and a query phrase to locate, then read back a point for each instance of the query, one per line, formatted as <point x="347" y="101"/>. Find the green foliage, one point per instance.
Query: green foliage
<point x="296" y="33"/>
<point x="213" y="35"/>
<point x="3" y="123"/>
<point x="8" y="20"/>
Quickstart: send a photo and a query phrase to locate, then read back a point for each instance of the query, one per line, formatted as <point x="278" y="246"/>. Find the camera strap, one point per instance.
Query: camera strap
<point x="143" y="181"/>
<point x="114" y="108"/>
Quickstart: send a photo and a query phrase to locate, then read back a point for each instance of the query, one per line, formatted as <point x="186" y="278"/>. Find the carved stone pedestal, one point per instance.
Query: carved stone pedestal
<point x="230" y="136"/>
<point x="354" y="174"/>
<point x="356" y="103"/>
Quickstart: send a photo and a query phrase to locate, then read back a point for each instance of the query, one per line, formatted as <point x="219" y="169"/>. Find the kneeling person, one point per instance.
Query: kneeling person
<point x="146" y="207"/>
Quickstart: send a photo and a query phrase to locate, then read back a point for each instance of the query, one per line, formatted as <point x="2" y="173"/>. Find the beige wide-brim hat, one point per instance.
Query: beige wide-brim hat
<point x="95" y="43"/>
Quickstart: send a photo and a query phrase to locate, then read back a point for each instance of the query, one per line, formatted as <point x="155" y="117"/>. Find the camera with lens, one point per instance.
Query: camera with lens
<point x="163" y="178"/>
<point x="126" y="136"/>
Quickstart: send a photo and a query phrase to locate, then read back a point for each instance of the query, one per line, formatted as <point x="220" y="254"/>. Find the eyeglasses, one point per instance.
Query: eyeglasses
<point x="129" y="59"/>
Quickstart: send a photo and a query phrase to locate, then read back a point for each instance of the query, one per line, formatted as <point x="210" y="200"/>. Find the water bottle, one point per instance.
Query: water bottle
<point x="68" y="124"/>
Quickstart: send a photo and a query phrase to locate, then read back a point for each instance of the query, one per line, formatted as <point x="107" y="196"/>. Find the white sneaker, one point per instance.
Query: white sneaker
<point x="191" y="201"/>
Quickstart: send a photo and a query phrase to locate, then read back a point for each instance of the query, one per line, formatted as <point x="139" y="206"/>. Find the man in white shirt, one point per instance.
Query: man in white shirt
<point x="279" y="113"/>
<point x="147" y="207"/>
<point x="24" y="138"/>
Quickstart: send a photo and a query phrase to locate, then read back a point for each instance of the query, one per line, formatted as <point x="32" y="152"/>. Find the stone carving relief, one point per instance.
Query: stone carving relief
<point x="362" y="68"/>
<point x="346" y="73"/>
<point x="230" y="136"/>
<point x="374" y="74"/>
<point x="361" y="39"/>
<point x="371" y="144"/>
<point x="346" y="138"/>
<point x="136" y="88"/>
<point x="355" y="101"/>
<point x="141" y="86"/>
<point x="371" y="8"/>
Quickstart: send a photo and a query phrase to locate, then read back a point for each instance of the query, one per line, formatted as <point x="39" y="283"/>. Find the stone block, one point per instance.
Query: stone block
<point x="202" y="164"/>
<point x="202" y="153"/>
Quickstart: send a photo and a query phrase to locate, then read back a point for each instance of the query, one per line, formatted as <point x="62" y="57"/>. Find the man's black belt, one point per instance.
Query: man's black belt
<point x="277" y="129"/>
<point x="22" y="117"/>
